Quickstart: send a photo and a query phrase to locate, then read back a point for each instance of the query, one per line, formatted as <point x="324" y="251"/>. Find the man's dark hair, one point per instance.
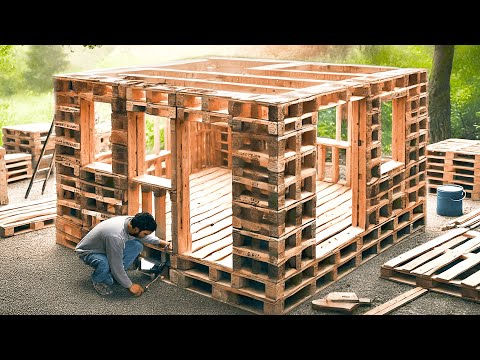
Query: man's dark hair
<point x="144" y="221"/>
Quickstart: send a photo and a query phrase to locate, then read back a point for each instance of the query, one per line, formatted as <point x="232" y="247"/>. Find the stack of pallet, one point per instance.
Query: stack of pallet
<point x="27" y="216"/>
<point x="19" y="166"/>
<point x="3" y="178"/>
<point x="28" y="138"/>
<point x="87" y="191"/>
<point x="274" y="200"/>
<point x="455" y="161"/>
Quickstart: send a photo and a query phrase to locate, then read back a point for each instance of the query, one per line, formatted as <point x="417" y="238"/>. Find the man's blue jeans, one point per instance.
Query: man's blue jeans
<point x="100" y="261"/>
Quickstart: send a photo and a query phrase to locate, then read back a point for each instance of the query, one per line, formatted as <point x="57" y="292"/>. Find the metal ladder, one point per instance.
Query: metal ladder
<point x="37" y="165"/>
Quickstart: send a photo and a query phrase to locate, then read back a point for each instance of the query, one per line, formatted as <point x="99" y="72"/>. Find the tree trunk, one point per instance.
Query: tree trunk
<point x="439" y="93"/>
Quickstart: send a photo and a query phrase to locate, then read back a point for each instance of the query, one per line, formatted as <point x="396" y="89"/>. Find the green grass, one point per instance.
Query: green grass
<point x="26" y="109"/>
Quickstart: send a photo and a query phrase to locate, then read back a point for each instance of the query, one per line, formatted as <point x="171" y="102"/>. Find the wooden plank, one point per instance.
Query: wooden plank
<point x="321" y="160"/>
<point x="334" y="216"/>
<point x="398" y="129"/>
<point x="332" y="204"/>
<point x="226" y="222"/>
<point x="220" y="254"/>
<point x="345" y="307"/>
<point x="332" y="244"/>
<point x="212" y="238"/>
<point x="216" y="207"/>
<point x="133" y="188"/>
<point x="332" y="230"/>
<point x="423" y="248"/>
<point x="409" y="266"/>
<point x="213" y="247"/>
<point x="324" y="198"/>
<point x="147" y="201"/>
<point x="210" y="221"/>
<point x="87" y="136"/>
<point x="472" y="280"/>
<point x="155" y="181"/>
<point x="160" y="213"/>
<point x="459" y="268"/>
<point x="362" y="165"/>
<point x="397" y="302"/>
<point x="443" y="260"/>
<point x="183" y="242"/>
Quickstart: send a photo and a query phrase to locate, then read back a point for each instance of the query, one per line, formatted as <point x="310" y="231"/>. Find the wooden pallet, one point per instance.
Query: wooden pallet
<point x="454" y="161"/>
<point x="3" y="178"/>
<point x="448" y="264"/>
<point x="27" y="216"/>
<point x="19" y="166"/>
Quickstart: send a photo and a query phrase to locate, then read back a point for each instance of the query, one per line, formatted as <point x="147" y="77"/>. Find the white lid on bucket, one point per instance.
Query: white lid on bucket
<point x="450" y="188"/>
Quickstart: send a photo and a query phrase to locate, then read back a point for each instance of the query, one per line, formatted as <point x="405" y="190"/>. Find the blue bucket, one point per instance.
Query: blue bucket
<point x="450" y="200"/>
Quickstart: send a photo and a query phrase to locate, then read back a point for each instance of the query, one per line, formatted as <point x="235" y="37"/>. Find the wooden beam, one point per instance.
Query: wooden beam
<point x="133" y="188"/>
<point x="156" y="135"/>
<point x="182" y="241"/>
<point x="397" y="302"/>
<point x="353" y="122"/>
<point x="398" y="129"/>
<point x="362" y="164"/>
<point x="141" y="142"/>
<point x="160" y="213"/>
<point x="87" y="132"/>
<point x="146" y="200"/>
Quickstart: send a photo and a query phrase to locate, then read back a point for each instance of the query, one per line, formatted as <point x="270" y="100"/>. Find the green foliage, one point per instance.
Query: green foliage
<point x="465" y="92"/>
<point x="150" y="135"/>
<point x="326" y="125"/>
<point x="386" y="125"/>
<point x="5" y="115"/>
<point x="43" y="61"/>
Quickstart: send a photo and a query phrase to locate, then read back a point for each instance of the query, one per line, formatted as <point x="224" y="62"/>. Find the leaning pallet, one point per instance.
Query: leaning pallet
<point x="454" y="161"/>
<point x="3" y="178"/>
<point x="27" y="216"/>
<point x="448" y="264"/>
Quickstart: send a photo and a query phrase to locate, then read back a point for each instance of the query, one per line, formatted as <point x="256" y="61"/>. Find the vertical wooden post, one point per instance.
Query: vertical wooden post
<point x="229" y="140"/>
<point x="348" y="160"/>
<point x="133" y="189"/>
<point x="398" y="129"/>
<point x="353" y="120"/>
<point x="181" y="236"/>
<point x="167" y="135"/>
<point x="321" y="159"/>
<point x="87" y="132"/>
<point x="146" y="199"/>
<point x="160" y="213"/>
<point x="335" y="149"/>
<point x="362" y="164"/>
<point x="156" y="136"/>
<point x="141" y="142"/>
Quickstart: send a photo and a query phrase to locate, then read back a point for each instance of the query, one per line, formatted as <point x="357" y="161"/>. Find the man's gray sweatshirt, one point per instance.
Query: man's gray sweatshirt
<point x="109" y="237"/>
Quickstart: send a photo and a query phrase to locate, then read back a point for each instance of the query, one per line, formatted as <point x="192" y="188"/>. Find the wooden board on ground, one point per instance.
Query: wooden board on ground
<point x="397" y="302"/>
<point x="448" y="264"/>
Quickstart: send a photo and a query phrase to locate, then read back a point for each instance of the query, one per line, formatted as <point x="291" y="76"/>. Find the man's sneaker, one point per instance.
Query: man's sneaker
<point x="102" y="288"/>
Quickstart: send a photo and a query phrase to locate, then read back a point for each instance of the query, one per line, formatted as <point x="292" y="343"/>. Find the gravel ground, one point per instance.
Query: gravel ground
<point x="39" y="277"/>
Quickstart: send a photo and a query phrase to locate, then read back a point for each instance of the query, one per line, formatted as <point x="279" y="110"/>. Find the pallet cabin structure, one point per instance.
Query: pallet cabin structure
<point x="261" y="211"/>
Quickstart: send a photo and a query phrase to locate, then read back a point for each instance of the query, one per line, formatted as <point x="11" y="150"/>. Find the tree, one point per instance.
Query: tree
<point x="43" y="61"/>
<point x="439" y="93"/>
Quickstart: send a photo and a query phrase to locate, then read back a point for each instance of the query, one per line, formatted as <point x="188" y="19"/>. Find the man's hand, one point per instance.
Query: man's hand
<point x="136" y="289"/>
